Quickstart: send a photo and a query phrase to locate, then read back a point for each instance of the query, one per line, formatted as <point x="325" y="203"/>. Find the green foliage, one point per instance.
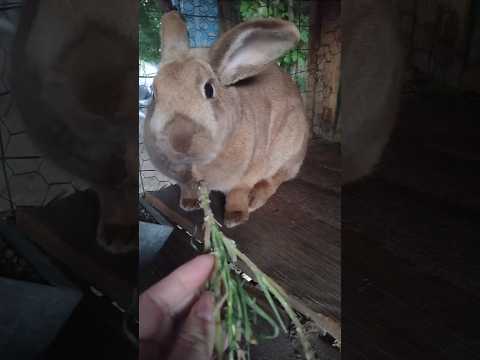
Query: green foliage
<point x="149" y="30"/>
<point x="295" y="61"/>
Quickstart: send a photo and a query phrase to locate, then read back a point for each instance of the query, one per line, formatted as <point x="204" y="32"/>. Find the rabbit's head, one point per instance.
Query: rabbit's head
<point x="195" y="104"/>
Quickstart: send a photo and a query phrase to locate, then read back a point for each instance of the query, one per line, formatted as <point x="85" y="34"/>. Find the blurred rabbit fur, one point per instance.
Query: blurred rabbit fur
<point x="230" y="116"/>
<point x="372" y="74"/>
<point x="75" y="84"/>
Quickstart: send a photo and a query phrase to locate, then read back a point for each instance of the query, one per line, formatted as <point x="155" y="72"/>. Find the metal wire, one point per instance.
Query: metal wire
<point x="22" y="165"/>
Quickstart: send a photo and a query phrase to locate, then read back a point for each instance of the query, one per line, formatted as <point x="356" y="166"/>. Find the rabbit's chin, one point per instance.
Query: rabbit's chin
<point x="194" y="157"/>
<point x="187" y="159"/>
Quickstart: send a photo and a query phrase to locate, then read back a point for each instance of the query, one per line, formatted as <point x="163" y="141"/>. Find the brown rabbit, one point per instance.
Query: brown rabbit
<point x="230" y="117"/>
<point x="372" y="69"/>
<point x="75" y="83"/>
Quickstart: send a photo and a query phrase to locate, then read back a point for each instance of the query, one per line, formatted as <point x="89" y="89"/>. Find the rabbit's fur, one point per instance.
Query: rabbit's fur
<point x="372" y="69"/>
<point x="249" y="137"/>
<point x="75" y="83"/>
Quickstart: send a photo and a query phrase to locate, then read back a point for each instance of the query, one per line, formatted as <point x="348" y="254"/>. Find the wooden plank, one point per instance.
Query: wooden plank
<point x="439" y="238"/>
<point x="301" y="198"/>
<point x="171" y="197"/>
<point x="410" y="236"/>
<point x="396" y="308"/>
<point x="324" y="67"/>
<point x="66" y="230"/>
<point x="324" y="154"/>
<point x="297" y="249"/>
<point x="295" y="237"/>
<point x="322" y="166"/>
<point x="301" y="253"/>
<point x="410" y="263"/>
<point x="178" y="250"/>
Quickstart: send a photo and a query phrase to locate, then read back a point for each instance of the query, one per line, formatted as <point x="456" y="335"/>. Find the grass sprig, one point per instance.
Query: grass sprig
<point x="236" y="310"/>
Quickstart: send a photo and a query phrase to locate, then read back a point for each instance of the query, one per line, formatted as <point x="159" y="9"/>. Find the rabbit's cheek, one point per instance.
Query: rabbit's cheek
<point x="158" y="120"/>
<point x="202" y="147"/>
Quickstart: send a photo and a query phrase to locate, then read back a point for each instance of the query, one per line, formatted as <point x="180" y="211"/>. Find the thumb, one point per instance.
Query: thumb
<point x="196" y="338"/>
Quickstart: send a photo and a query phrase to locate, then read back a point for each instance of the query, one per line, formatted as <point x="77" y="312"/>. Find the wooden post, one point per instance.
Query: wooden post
<point x="324" y="68"/>
<point x="165" y="5"/>
<point x="228" y="13"/>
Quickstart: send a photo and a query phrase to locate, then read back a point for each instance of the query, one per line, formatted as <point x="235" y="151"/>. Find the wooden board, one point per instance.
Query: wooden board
<point x="295" y="237"/>
<point x="322" y="167"/>
<point x="178" y="250"/>
<point x="324" y="59"/>
<point x="411" y="285"/>
<point x="410" y="254"/>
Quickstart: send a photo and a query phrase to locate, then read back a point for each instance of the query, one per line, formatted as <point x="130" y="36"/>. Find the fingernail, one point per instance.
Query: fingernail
<point x="204" y="307"/>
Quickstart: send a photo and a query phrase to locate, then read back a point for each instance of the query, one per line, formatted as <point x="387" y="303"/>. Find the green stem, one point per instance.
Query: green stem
<point x="234" y="305"/>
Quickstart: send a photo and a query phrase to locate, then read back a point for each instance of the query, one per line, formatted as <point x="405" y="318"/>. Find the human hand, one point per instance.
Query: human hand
<point x="176" y="315"/>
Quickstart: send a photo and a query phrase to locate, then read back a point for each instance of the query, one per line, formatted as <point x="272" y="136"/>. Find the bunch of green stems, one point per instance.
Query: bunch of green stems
<point x="236" y="310"/>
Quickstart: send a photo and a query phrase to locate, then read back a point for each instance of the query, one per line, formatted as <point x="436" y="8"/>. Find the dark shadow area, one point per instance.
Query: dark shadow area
<point x="411" y="280"/>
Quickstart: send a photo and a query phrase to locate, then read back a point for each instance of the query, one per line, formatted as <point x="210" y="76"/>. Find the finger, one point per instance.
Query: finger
<point x="196" y="338"/>
<point x="159" y="305"/>
<point x="154" y="319"/>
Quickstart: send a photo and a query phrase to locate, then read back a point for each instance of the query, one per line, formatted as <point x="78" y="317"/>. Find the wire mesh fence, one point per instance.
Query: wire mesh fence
<point x="27" y="177"/>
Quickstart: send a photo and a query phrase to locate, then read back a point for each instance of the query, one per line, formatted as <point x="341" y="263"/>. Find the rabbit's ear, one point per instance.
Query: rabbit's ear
<point x="174" y="36"/>
<point x="248" y="48"/>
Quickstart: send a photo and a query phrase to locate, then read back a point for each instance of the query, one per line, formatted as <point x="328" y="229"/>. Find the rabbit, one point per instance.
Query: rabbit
<point x="228" y="116"/>
<point x="75" y="84"/>
<point x="371" y="77"/>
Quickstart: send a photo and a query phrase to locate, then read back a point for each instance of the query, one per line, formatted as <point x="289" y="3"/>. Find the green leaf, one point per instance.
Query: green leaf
<point x="302" y="62"/>
<point x="266" y="292"/>
<point x="259" y="311"/>
<point x="304" y="35"/>
<point x="262" y="11"/>
<point x="149" y="31"/>
<point x="244" y="7"/>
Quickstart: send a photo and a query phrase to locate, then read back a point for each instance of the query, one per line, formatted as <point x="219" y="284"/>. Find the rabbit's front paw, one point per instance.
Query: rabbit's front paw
<point x="234" y="218"/>
<point x="189" y="197"/>
<point x="190" y="204"/>
<point x="259" y="195"/>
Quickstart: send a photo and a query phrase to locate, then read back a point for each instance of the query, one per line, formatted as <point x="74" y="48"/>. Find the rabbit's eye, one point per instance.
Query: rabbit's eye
<point x="208" y="90"/>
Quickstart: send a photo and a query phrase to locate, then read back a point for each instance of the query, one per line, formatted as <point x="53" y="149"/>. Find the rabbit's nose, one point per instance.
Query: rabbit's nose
<point x="180" y="133"/>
